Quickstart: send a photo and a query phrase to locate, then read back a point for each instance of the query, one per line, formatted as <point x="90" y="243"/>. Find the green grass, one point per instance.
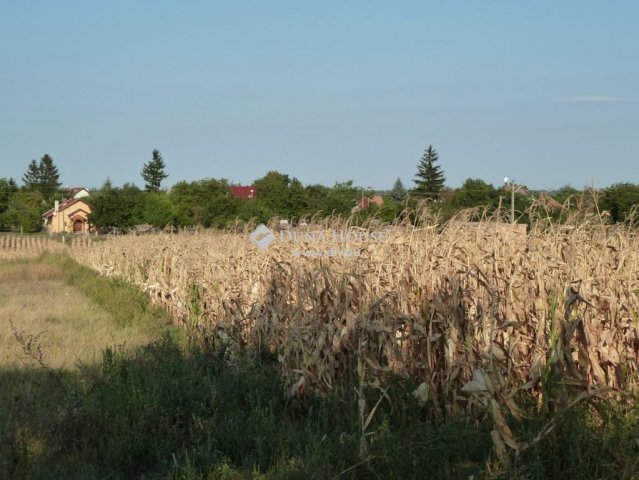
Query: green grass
<point x="72" y="312"/>
<point x="179" y="410"/>
<point x="162" y="412"/>
<point x="125" y="303"/>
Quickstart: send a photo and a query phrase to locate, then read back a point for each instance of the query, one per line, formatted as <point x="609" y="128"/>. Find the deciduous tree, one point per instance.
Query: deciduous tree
<point x="8" y="189"/>
<point x="475" y="193"/>
<point x="25" y="211"/>
<point x="199" y="202"/>
<point x="620" y="199"/>
<point x="272" y="192"/>
<point x="116" y="207"/>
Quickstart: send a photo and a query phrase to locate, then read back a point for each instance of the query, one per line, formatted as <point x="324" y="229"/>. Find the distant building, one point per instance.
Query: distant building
<point x="447" y="194"/>
<point x="509" y="187"/>
<point x="245" y="192"/>
<point x="364" y="203"/>
<point x="77" y="192"/>
<point x="70" y="216"/>
<point x="549" y="202"/>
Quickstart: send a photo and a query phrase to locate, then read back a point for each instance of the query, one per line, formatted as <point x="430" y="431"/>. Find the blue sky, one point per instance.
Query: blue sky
<point x="546" y="92"/>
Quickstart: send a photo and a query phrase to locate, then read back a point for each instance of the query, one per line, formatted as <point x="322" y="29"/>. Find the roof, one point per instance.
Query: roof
<point x="243" y="191"/>
<point x="364" y="202"/>
<point x="549" y="202"/>
<point x="63" y="206"/>
<point x="378" y="200"/>
<point x="509" y="187"/>
<point x="73" y="191"/>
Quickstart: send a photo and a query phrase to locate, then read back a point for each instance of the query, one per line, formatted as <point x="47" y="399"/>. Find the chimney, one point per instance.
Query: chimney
<point x="56" y="207"/>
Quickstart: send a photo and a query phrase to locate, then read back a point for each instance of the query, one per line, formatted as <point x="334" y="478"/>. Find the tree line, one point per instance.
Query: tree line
<point x="210" y="203"/>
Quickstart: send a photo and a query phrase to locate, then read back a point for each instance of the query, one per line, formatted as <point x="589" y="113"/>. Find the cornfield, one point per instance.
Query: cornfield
<point x="478" y="315"/>
<point x="14" y="247"/>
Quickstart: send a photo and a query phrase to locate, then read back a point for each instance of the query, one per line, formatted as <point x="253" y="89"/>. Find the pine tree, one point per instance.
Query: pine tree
<point x="49" y="178"/>
<point x="153" y="172"/>
<point x="398" y="193"/>
<point x="42" y="177"/>
<point x="32" y="178"/>
<point x="430" y="178"/>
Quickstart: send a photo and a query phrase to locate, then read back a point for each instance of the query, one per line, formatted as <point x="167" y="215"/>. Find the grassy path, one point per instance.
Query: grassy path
<point x="58" y="321"/>
<point x="44" y="302"/>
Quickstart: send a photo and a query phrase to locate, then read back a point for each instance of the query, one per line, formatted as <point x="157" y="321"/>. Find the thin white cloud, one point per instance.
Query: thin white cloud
<point x="594" y="99"/>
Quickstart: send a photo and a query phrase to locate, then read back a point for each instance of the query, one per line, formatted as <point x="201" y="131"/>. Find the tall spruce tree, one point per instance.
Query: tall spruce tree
<point x="43" y="177"/>
<point x="49" y="178"/>
<point x="31" y="178"/>
<point x="430" y="177"/>
<point x="153" y="172"/>
<point x="398" y="192"/>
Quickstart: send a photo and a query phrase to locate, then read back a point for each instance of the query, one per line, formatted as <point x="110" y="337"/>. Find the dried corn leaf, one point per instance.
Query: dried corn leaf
<point x="502" y="427"/>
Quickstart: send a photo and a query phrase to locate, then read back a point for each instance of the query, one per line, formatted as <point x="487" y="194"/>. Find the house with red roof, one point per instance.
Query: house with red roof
<point x="241" y="191"/>
<point x="364" y="203"/>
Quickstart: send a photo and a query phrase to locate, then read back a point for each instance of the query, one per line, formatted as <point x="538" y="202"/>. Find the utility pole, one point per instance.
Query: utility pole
<point x="511" y="182"/>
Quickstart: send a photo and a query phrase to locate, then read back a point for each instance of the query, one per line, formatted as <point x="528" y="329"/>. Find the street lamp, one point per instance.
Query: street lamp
<point x="511" y="182"/>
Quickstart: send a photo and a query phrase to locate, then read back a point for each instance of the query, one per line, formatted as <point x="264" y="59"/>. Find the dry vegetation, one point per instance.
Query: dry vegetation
<point x="478" y="317"/>
<point x="475" y="314"/>
<point x="46" y="321"/>
<point x="13" y="247"/>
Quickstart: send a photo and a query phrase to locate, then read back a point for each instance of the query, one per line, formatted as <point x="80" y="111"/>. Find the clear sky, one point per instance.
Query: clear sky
<point x="544" y="91"/>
